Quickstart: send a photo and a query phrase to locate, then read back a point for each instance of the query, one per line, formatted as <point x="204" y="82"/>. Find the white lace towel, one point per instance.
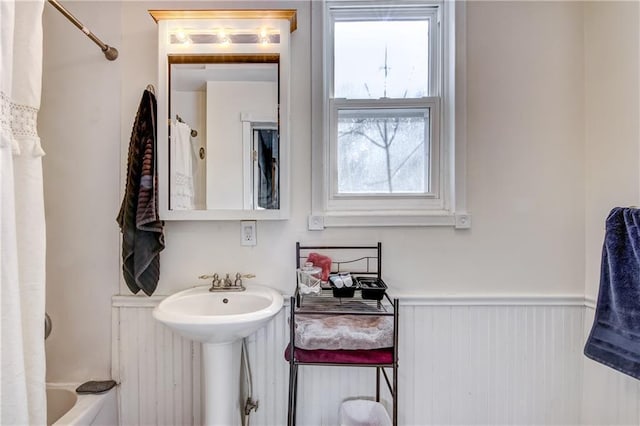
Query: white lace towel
<point x="182" y="192"/>
<point x="351" y="332"/>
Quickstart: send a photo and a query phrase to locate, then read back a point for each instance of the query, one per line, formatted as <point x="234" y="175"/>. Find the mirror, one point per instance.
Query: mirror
<point x="224" y="128"/>
<point x="224" y="88"/>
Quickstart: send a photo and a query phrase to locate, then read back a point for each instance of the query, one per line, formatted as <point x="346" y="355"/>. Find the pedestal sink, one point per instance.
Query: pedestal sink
<point x="220" y="320"/>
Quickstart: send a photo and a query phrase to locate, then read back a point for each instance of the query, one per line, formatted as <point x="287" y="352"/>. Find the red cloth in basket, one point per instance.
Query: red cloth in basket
<point x="321" y="261"/>
<point x="361" y="356"/>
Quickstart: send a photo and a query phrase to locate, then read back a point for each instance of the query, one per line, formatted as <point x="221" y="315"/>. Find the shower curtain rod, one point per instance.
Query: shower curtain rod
<point x="111" y="53"/>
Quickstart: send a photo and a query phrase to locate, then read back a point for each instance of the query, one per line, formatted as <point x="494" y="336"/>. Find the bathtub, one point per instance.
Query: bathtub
<point x="66" y="407"/>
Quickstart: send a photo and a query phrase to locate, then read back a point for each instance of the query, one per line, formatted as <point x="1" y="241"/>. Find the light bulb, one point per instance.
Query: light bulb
<point x="223" y="37"/>
<point x="181" y="36"/>
<point x="264" y="37"/>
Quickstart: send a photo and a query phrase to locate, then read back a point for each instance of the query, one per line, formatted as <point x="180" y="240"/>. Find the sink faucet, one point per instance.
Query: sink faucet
<point x="226" y="284"/>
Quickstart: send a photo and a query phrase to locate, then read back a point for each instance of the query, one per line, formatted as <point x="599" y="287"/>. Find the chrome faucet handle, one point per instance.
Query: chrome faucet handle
<point x="206" y="277"/>
<point x="215" y="279"/>
<point x="239" y="277"/>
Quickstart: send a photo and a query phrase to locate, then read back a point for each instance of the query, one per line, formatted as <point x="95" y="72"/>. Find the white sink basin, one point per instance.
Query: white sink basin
<point x="218" y="317"/>
<point x="220" y="320"/>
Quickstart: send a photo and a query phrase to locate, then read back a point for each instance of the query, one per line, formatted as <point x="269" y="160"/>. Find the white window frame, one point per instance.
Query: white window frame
<point x="445" y="203"/>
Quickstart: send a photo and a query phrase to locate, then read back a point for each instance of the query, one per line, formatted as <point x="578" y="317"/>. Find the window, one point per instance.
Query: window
<point x="386" y="108"/>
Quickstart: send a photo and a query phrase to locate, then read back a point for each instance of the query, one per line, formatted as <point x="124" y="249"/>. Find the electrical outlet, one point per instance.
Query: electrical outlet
<point x="463" y="221"/>
<point x="248" y="233"/>
<point x="316" y="223"/>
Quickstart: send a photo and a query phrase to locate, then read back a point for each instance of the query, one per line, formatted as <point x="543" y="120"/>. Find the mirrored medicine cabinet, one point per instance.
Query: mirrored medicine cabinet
<point x="223" y="113"/>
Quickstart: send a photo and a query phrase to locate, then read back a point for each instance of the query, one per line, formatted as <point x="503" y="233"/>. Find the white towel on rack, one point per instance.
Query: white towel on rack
<point x="343" y="332"/>
<point x="182" y="190"/>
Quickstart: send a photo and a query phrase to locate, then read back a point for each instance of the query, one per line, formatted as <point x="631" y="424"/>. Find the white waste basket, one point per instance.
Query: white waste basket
<point x="362" y="412"/>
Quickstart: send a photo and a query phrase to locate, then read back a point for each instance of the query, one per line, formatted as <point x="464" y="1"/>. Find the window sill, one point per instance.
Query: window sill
<point x="318" y="222"/>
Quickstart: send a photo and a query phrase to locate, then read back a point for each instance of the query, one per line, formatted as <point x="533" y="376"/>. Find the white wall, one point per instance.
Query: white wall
<point x="80" y="128"/>
<point x="612" y="123"/>
<point x="526" y="166"/>
<point x="612" y="143"/>
<point x="524" y="159"/>
<point x="526" y="179"/>
<point x="226" y="102"/>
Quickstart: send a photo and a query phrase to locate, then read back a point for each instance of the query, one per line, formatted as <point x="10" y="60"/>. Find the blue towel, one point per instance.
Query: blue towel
<point x="615" y="336"/>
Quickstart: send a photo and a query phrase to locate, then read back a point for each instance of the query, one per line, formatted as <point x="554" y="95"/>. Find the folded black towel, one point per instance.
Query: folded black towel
<point x="142" y="230"/>
<point x="615" y="336"/>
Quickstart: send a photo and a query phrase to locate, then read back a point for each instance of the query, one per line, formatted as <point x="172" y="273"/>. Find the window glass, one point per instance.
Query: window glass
<point x="381" y="59"/>
<point x="383" y="151"/>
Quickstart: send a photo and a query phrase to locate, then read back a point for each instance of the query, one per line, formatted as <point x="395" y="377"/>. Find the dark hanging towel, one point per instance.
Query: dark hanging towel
<point x="268" y="184"/>
<point x="615" y="337"/>
<point x="142" y="230"/>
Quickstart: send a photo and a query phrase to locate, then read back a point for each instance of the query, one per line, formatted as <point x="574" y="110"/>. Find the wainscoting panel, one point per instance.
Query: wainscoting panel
<point x="159" y="371"/>
<point x="490" y="365"/>
<point x="609" y="397"/>
<point x="480" y="361"/>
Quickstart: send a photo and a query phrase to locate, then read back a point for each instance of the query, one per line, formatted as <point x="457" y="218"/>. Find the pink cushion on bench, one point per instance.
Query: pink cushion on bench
<point x="368" y="356"/>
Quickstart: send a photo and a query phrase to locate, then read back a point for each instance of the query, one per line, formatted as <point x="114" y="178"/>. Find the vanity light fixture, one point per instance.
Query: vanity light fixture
<point x="224" y="36"/>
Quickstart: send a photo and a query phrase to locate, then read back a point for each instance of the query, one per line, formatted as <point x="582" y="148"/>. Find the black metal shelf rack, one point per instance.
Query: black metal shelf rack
<point x="367" y="262"/>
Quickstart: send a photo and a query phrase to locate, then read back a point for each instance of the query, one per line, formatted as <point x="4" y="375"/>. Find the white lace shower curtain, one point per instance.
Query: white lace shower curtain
<point x="22" y="228"/>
